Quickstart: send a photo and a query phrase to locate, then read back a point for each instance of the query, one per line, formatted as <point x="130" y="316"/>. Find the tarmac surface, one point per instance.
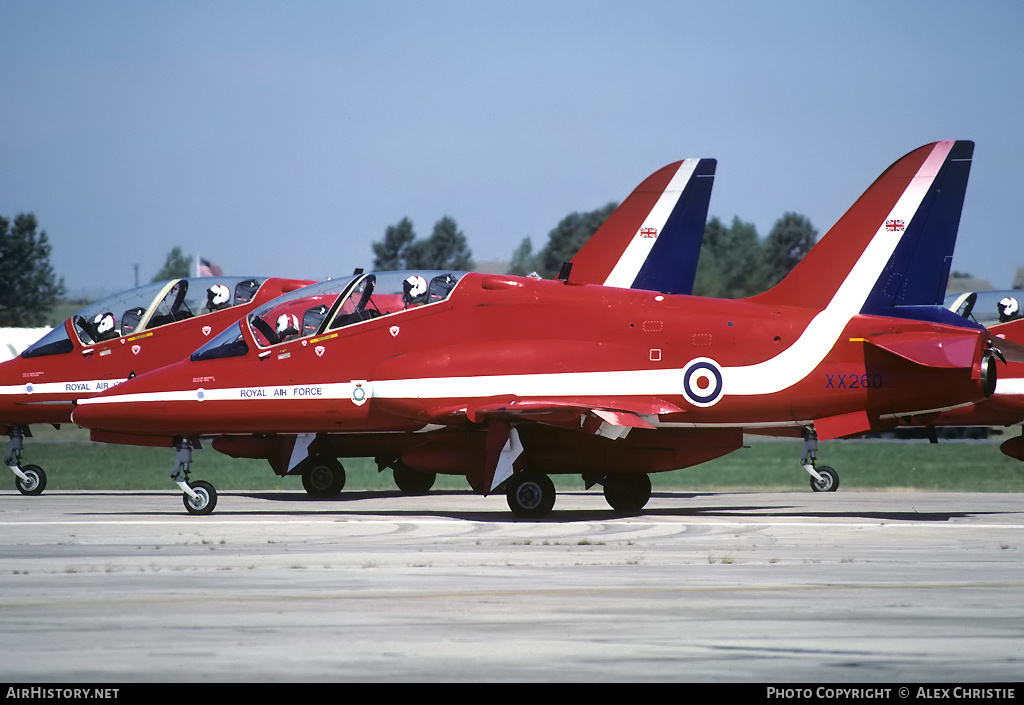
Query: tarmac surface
<point x="122" y="587"/>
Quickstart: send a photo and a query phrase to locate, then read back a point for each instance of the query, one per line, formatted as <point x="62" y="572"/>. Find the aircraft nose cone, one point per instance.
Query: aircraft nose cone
<point x="94" y="416"/>
<point x="102" y="413"/>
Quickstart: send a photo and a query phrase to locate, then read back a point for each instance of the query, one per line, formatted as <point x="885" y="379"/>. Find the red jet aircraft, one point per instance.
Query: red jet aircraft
<point x="654" y="236"/>
<point x="506" y="379"/>
<point x="112" y="340"/>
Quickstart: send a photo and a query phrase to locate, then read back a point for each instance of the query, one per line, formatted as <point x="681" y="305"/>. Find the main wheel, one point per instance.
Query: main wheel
<point x="530" y="495"/>
<point x="627" y="493"/>
<point x="324" y="478"/>
<point x="829" y="481"/>
<point x="36" y="482"/>
<point x="205" y="500"/>
<point x="411" y="481"/>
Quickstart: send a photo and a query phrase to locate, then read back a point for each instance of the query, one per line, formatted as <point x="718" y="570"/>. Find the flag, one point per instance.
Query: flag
<point x="206" y="268"/>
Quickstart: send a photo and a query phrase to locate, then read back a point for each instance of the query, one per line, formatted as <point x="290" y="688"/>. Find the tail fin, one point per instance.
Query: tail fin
<point x="652" y="241"/>
<point x="894" y="246"/>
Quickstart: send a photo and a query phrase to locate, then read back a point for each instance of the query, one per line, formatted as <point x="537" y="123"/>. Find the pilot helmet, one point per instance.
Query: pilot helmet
<point x="1008" y="308"/>
<point x="287" y="324"/>
<point x="414" y="290"/>
<point x="218" y="296"/>
<point x="104" y="323"/>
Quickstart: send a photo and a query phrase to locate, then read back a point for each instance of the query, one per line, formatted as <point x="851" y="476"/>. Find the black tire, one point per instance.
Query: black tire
<point x="829" y="480"/>
<point x="324" y="478"/>
<point x="36" y="481"/>
<point x="530" y="495"/>
<point x="412" y="482"/>
<point x="205" y="502"/>
<point x="627" y="493"/>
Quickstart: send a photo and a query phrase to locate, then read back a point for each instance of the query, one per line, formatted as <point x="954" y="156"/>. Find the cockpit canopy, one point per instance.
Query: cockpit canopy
<point x="332" y="304"/>
<point x="988" y="307"/>
<point x="146" y="308"/>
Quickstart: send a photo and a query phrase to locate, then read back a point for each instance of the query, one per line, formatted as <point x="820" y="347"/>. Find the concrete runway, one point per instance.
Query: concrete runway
<point x="120" y="587"/>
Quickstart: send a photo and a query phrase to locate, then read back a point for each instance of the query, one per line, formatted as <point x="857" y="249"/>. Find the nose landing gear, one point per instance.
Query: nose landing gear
<point x="29" y="479"/>
<point x="823" y="479"/>
<point x="200" y="497"/>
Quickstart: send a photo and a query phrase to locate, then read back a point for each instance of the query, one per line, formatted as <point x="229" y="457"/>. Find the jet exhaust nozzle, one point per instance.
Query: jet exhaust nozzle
<point x="988" y="372"/>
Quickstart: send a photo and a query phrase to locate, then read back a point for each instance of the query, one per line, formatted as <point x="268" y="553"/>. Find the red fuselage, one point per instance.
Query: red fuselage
<point x="542" y="351"/>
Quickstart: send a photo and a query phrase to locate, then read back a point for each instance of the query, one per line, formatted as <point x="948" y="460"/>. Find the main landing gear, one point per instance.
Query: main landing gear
<point x="627" y="493"/>
<point x="200" y="497"/>
<point x="29" y="479"/>
<point x="323" y="477"/>
<point x="823" y="479"/>
<point x="531" y="495"/>
<point x="408" y="480"/>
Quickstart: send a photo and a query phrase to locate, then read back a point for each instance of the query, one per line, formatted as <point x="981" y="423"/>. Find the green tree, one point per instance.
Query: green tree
<point x="446" y="248"/>
<point x="522" y="259"/>
<point x="390" y="254"/>
<point x="709" y="280"/>
<point x="567" y="238"/>
<point x="732" y="263"/>
<point x="790" y="239"/>
<point x="28" y="287"/>
<point x="176" y="265"/>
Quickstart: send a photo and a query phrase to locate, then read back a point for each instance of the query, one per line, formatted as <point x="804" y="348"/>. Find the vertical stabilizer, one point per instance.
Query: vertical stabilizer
<point x="895" y="244"/>
<point x="652" y="241"/>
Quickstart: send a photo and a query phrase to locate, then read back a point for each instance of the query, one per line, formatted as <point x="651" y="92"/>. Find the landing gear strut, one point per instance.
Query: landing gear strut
<point x="823" y="479"/>
<point x="29" y="479"/>
<point x="200" y="497"/>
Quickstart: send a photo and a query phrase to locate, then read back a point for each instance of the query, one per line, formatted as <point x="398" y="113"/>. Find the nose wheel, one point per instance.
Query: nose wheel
<point x="205" y="498"/>
<point x="829" y="481"/>
<point x="199" y="497"/>
<point x="30" y="480"/>
<point x="823" y="479"/>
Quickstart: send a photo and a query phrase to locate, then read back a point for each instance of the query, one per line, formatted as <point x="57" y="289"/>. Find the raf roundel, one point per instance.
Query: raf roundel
<point x="702" y="382"/>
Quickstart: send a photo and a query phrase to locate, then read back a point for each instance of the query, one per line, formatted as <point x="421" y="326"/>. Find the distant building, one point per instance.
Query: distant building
<point x="958" y="285"/>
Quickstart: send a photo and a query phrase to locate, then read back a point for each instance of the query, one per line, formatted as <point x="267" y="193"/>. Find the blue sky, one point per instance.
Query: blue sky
<point x="284" y="137"/>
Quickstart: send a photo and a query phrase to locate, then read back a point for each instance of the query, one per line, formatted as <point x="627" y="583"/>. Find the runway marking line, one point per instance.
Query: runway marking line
<point x="278" y="597"/>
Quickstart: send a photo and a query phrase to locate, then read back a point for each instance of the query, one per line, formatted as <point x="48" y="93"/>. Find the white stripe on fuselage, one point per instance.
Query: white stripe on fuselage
<point x="625" y="271"/>
<point x="81" y="386"/>
<point x="773" y="375"/>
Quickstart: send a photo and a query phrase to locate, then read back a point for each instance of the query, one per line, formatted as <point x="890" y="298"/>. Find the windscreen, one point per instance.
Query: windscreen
<point x="227" y="343"/>
<point x="160" y="303"/>
<point x="298" y="314"/>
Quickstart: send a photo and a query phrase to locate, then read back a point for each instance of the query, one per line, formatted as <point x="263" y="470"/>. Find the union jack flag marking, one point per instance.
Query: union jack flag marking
<point x="648" y="232"/>
<point x="894" y="225"/>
